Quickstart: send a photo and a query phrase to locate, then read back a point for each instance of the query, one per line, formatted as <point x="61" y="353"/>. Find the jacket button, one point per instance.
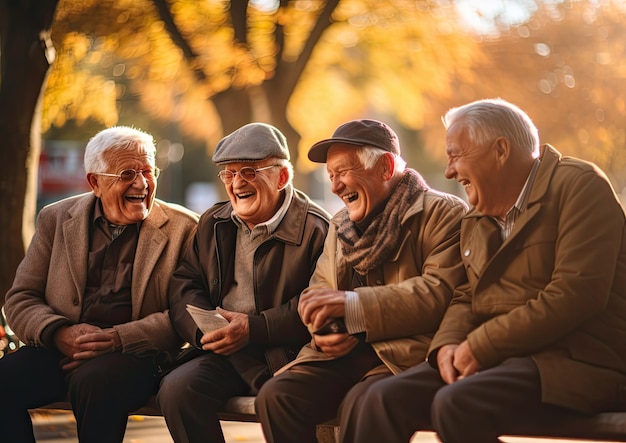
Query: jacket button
<point x="214" y="281"/>
<point x="75" y="302"/>
<point x="466" y="252"/>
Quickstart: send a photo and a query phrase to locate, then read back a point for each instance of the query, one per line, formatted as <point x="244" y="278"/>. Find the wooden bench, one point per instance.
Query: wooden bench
<point x="608" y="426"/>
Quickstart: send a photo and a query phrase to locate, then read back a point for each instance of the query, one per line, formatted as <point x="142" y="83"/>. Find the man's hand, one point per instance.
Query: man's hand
<point x="65" y="338"/>
<point x="317" y="306"/>
<point x="456" y="362"/>
<point x="464" y="361"/>
<point x="335" y="345"/>
<point x="445" y="363"/>
<point x="70" y="340"/>
<point x="231" y="338"/>
<point x="97" y="343"/>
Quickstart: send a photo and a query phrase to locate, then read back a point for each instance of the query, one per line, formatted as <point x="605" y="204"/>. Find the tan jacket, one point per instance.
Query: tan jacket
<point x="50" y="281"/>
<point x="554" y="290"/>
<point x="405" y="298"/>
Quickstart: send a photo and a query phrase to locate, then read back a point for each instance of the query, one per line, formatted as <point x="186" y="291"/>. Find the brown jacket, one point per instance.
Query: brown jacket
<point x="50" y="281"/>
<point x="554" y="290"/>
<point x="405" y="299"/>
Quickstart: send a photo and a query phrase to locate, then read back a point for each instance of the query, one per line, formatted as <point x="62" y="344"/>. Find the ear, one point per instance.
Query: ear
<point x="388" y="164"/>
<point x="502" y="149"/>
<point x="283" y="178"/>
<point x="92" y="179"/>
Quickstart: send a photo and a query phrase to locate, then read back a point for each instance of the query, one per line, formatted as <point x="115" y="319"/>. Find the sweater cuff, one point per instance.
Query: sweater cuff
<point x="354" y="319"/>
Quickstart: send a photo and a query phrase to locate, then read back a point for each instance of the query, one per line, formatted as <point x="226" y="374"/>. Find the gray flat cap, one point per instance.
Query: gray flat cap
<point x="250" y="143"/>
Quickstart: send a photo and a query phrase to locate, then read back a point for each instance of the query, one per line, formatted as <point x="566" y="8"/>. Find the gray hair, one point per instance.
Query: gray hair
<point x="489" y="119"/>
<point x="116" y="138"/>
<point x="368" y="155"/>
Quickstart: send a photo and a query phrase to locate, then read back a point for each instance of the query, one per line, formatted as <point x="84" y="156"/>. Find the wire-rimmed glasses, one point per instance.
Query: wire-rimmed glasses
<point x="247" y="173"/>
<point x="129" y="175"/>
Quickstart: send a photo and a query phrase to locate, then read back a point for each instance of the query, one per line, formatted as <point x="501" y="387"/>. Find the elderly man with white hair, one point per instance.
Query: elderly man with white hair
<point x="89" y="299"/>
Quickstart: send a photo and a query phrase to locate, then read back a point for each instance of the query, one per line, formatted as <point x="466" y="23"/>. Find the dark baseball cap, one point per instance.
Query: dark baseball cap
<point x="250" y="143"/>
<point x="358" y="133"/>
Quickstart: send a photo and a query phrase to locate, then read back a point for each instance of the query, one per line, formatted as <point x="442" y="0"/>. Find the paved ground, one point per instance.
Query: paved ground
<point x="60" y="428"/>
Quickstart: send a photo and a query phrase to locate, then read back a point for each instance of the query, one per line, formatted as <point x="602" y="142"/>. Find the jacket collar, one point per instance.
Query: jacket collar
<point x="550" y="158"/>
<point x="291" y="228"/>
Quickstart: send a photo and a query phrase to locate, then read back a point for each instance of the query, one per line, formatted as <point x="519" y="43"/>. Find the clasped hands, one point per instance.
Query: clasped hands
<point x="456" y="362"/>
<point x="320" y="306"/>
<point x="82" y="341"/>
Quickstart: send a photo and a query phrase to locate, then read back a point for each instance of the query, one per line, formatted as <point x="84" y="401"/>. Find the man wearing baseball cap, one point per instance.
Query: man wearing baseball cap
<point x="389" y="267"/>
<point x="250" y="259"/>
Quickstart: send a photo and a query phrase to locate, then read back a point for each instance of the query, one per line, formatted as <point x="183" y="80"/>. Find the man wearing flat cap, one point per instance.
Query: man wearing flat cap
<point x="250" y="259"/>
<point x="389" y="267"/>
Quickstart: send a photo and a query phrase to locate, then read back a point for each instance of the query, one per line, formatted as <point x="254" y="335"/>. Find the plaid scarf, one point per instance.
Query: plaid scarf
<point x="380" y="240"/>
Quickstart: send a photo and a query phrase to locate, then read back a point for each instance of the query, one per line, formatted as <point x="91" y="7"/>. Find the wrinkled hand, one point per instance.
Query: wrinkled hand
<point x="335" y="345"/>
<point x="231" y="338"/>
<point x="317" y="306"/>
<point x="456" y="362"/>
<point x="445" y="363"/>
<point x="464" y="361"/>
<point x="97" y="343"/>
<point x="82" y="342"/>
<point x="65" y="337"/>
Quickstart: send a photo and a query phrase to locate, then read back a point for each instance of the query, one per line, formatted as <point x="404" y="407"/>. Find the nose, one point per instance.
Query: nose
<point x="450" y="172"/>
<point x="237" y="176"/>
<point x="335" y="185"/>
<point x="143" y="182"/>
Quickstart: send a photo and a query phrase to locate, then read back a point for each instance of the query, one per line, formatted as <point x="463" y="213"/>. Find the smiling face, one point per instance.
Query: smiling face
<point x="361" y="190"/>
<point x="481" y="171"/>
<point x="125" y="203"/>
<point x="257" y="201"/>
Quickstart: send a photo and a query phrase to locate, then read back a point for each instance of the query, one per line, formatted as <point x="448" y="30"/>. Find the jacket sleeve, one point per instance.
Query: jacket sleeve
<point x="27" y="311"/>
<point x="189" y="286"/>
<point x="416" y="305"/>
<point x="151" y="329"/>
<point x="281" y="324"/>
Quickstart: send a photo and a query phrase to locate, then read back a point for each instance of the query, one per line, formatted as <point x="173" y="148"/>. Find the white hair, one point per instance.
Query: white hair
<point x="116" y="138"/>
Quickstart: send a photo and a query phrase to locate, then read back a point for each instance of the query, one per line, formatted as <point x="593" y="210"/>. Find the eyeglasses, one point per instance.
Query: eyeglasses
<point x="247" y="173"/>
<point x="129" y="175"/>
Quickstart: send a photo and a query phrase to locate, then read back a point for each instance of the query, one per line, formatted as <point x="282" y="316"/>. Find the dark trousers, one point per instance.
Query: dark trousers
<point x="102" y="392"/>
<point x="291" y="404"/>
<point x="192" y="394"/>
<point x="475" y="409"/>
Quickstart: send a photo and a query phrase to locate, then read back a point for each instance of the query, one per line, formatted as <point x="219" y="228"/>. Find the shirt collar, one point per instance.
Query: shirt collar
<point x="100" y="219"/>
<point x="272" y="224"/>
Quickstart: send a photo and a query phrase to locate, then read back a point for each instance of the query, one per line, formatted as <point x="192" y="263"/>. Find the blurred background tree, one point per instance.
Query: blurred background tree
<point x="192" y="71"/>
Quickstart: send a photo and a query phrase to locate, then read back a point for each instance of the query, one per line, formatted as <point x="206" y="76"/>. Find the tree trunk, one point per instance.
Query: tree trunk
<point x="25" y="56"/>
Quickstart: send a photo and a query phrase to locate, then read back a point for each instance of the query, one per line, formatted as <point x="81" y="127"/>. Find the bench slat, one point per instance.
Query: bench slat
<point x="603" y="426"/>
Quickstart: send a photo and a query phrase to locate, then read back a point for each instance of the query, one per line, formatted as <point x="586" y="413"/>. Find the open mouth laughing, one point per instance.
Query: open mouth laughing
<point x="349" y="198"/>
